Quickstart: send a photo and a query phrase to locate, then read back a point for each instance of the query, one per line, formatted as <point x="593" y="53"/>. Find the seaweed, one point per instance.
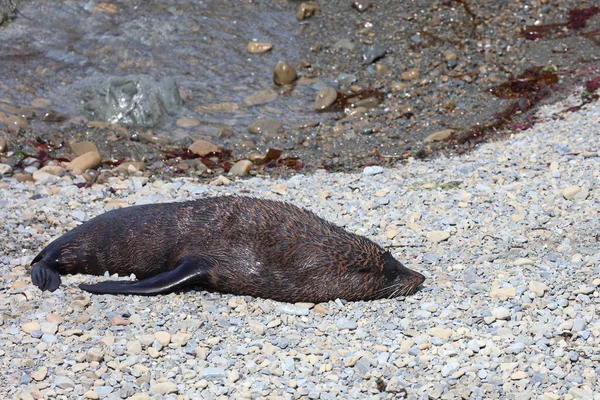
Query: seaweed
<point x="530" y="88"/>
<point x="578" y="18"/>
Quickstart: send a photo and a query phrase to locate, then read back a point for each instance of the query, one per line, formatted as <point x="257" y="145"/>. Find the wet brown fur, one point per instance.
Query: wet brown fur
<point x="262" y="248"/>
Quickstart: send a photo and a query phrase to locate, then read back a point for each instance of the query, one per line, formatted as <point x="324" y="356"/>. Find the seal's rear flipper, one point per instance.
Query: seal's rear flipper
<point x="45" y="277"/>
<point x="191" y="271"/>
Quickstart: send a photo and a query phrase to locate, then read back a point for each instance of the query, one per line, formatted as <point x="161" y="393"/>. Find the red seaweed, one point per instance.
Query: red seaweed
<point x="578" y="18"/>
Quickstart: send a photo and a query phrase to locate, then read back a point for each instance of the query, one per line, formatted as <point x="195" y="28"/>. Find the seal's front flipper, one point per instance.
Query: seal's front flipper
<point x="191" y="271"/>
<point x="45" y="277"/>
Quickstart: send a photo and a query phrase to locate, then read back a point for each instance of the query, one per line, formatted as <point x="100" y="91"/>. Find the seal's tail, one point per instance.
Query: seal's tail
<point x="44" y="276"/>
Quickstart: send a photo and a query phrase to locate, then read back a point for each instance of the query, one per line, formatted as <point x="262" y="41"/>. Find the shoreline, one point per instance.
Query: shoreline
<point x="508" y="310"/>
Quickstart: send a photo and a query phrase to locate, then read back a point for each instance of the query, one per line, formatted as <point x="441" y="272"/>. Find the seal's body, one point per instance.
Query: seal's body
<point x="237" y="245"/>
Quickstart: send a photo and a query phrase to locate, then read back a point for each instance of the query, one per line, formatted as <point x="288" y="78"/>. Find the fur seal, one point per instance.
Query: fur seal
<point x="237" y="245"/>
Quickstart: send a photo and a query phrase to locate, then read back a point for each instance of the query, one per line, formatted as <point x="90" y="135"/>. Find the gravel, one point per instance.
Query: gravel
<point x="509" y="308"/>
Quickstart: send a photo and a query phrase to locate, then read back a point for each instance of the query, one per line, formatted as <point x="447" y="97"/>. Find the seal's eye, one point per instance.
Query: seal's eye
<point x="365" y="269"/>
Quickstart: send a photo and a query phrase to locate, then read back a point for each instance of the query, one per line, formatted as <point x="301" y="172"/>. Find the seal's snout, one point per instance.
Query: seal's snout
<point x="418" y="278"/>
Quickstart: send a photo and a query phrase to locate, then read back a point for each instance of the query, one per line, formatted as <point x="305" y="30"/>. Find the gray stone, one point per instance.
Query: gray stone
<point x="138" y="100"/>
<point x="63" y="382"/>
<point x="344" y="323"/>
<point x="292" y="309"/>
<point x="450" y="368"/>
<point x="211" y="373"/>
<point x="372" y="170"/>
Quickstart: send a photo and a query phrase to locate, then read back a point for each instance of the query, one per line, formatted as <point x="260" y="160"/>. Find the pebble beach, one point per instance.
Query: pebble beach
<point x="507" y="236"/>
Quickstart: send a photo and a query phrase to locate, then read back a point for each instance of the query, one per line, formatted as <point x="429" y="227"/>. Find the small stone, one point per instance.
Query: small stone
<point x="361" y="5"/>
<point x="80" y="148"/>
<point x="411" y="74"/>
<point x="241" y="168"/>
<point x="15" y="123"/>
<point x="351" y="362"/>
<point x="107" y="8"/>
<point x="582" y="194"/>
<point x="373" y="53"/>
<point x="52" y="170"/>
<point x="523" y="261"/>
<point x="131" y="167"/>
<point x="504" y="293"/>
<point x="258" y="98"/>
<point x="501" y="313"/>
<point x="345" y="44"/>
<point x="211" y="373"/>
<point x="90" y="394"/>
<point x="103" y="391"/>
<point x="134" y="347"/>
<point x="186" y="122"/>
<point x="220" y="181"/>
<point x="89" y="160"/>
<point x="203" y="147"/>
<point x="391" y="233"/>
<point x="31" y="326"/>
<point x="550" y="396"/>
<point x="582" y="393"/>
<point x="118" y="321"/>
<point x="5" y="169"/>
<point x="49" y="327"/>
<point x="539" y="288"/>
<point x="164" y="338"/>
<point x="292" y="309"/>
<point x="259" y="47"/>
<point x="54" y="318"/>
<point x="41" y="103"/>
<point x="307" y="10"/>
<point x="139" y="396"/>
<point x="439" y="136"/>
<point x="180" y="338"/>
<point x="570" y="192"/>
<point x="54" y="116"/>
<point x="280" y="188"/>
<point x="325" y="98"/>
<point x="320" y="309"/>
<point x="344" y="323"/>
<point x="21" y="177"/>
<point x="441" y="332"/>
<point x="450" y="55"/>
<point x="519" y="375"/>
<point x="438" y="236"/>
<point x="515" y="348"/>
<point x="284" y="73"/>
<point x="431" y="307"/>
<point x="473" y="346"/>
<point x="40" y="374"/>
<point x="450" y="368"/>
<point x="64" y="383"/>
<point x="3" y="145"/>
<point x="82" y="319"/>
<point x="163" y="388"/>
<point x="266" y="127"/>
<point x="152" y="352"/>
<point x="94" y="354"/>
<point x="372" y="170"/>
<point x="584" y="290"/>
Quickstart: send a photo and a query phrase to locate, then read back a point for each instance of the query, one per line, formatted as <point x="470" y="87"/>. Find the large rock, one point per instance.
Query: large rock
<point x="132" y="100"/>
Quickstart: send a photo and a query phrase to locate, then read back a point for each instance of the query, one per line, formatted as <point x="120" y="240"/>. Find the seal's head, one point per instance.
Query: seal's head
<point x="397" y="279"/>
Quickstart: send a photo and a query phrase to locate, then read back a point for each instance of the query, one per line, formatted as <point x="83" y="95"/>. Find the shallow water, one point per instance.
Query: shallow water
<point x="53" y="46"/>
